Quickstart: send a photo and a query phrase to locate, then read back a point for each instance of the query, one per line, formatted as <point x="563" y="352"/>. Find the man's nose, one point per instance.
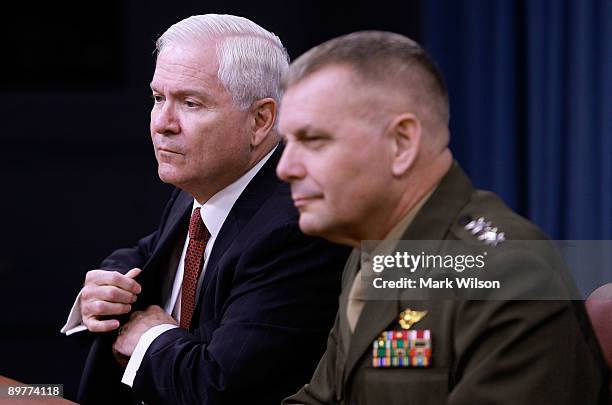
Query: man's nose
<point x="290" y="167"/>
<point x="164" y="119"/>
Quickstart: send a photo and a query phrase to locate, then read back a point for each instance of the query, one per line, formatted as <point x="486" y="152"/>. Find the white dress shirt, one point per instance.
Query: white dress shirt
<point x="214" y="212"/>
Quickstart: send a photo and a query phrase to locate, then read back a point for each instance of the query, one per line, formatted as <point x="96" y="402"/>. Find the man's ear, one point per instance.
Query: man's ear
<point x="406" y="130"/>
<point x="264" y="113"/>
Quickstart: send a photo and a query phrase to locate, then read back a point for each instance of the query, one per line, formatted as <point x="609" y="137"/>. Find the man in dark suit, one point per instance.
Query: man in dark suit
<point x="365" y="118"/>
<point x="228" y="301"/>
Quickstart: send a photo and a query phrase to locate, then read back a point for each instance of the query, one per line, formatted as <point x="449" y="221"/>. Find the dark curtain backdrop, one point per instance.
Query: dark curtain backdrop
<point x="530" y="85"/>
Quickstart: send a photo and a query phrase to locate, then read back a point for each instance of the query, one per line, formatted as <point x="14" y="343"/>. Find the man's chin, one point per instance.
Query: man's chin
<point x="169" y="177"/>
<point x="311" y="225"/>
<point x="314" y="225"/>
<point x="164" y="177"/>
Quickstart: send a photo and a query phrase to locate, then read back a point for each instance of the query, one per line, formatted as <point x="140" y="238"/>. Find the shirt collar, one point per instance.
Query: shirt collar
<point x="387" y="245"/>
<point x="399" y="229"/>
<point x="217" y="208"/>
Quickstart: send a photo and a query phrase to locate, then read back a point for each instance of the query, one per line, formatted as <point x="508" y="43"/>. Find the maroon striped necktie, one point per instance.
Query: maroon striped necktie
<point x="194" y="260"/>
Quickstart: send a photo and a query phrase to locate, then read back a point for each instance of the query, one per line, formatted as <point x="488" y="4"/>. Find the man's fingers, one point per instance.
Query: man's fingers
<point x="119" y="280"/>
<point x="103" y="308"/>
<point x="114" y="294"/>
<point x="96" y="325"/>
<point x="106" y="293"/>
<point x="113" y="278"/>
<point x="120" y="358"/>
<point x="133" y="273"/>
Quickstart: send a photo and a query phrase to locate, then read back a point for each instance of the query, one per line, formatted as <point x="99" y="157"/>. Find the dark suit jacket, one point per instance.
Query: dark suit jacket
<point x="268" y="299"/>
<point x="483" y="351"/>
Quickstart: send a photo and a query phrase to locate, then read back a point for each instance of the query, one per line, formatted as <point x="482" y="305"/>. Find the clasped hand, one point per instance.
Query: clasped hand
<point x="110" y="293"/>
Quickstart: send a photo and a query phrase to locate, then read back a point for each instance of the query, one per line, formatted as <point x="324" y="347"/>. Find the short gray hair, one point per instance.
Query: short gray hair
<point x="380" y="57"/>
<point x="252" y="60"/>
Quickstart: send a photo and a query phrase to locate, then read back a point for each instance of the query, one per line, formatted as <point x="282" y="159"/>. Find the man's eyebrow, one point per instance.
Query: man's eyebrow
<point x="309" y="131"/>
<point x="184" y="92"/>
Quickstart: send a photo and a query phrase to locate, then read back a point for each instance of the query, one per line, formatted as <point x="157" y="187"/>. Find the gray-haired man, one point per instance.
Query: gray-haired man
<point x="220" y="296"/>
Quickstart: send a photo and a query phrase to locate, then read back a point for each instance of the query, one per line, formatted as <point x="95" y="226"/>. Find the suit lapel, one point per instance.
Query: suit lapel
<point x="173" y="232"/>
<point x="177" y="220"/>
<point x="432" y="222"/>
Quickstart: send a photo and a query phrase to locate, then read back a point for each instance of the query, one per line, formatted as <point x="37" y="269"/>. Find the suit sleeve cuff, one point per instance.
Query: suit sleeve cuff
<point x="141" y="348"/>
<point x="74" y="323"/>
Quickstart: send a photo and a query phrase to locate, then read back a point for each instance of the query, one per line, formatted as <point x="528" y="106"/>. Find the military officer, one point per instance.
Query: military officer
<point x="365" y="120"/>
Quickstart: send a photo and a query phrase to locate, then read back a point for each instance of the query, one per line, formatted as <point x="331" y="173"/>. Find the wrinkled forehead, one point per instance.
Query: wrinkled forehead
<point x="204" y="45"/>
<point x="190" y="53"/>
<point x="187" y="62"/>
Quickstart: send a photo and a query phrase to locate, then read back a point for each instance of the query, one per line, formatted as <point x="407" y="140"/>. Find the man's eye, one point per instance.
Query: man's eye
<point x="191" y="104"/>
<point x="315" y="142"/>
<point x="157" y="98"/>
